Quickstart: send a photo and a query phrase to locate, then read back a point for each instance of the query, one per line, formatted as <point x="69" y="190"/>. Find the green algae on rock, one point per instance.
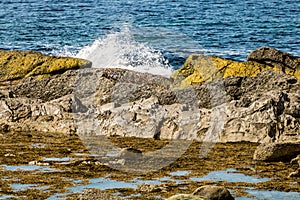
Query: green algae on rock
<point x="16" y="65"/>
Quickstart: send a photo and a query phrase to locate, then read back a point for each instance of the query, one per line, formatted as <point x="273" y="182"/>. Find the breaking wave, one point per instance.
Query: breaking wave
<point x="120" y="50"/>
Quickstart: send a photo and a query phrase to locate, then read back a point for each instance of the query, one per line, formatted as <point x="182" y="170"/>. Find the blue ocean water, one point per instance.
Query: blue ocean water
<point x="163" y="31"/>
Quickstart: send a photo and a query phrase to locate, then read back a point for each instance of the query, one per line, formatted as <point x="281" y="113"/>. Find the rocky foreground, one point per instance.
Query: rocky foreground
<point x="209" y="99"/>
<point x="242" y="101"/>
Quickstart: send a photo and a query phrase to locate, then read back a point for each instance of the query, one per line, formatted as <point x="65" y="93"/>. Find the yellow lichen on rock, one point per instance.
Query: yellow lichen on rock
<point x="200" y="68"/>
<point x="297" y="73"/>
<point x="15" y="65"/>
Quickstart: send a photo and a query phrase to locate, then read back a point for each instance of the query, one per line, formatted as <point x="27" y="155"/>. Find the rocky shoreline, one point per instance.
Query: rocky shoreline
<point x="209" y="99"/>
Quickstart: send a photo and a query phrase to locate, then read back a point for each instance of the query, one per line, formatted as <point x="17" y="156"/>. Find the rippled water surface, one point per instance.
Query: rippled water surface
<point x="177" y="28"/>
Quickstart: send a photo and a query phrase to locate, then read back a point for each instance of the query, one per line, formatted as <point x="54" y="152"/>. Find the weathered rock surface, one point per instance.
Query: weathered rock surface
<point x="213" y="192"/>
<point x="280" y="61"/>
<point x="277" y="151"/>
<point x="19" y="64"/>
<point x="235" y="109"/>
<point x="261" y="108"/>
<point x="199" y="68"/>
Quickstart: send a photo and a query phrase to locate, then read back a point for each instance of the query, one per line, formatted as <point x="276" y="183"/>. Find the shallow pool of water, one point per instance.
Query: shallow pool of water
<point x="179" y="173"/>
<point x="28" y="168"/>
<point x="22" y="187"/>
<point x="274" y="195"/>
<point x="229" y="175"/>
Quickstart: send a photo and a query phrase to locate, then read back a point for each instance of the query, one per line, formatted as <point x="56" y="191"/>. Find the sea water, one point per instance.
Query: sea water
<point x="149" y="35"/>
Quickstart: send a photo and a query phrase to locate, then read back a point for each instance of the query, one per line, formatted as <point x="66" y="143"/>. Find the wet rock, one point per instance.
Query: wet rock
<point x="280" y="61"/>
<point x="186" y="197"/>
<point x="20" y="64"/>
<point x="279" y="151"/>
<point x="213" y="192"/>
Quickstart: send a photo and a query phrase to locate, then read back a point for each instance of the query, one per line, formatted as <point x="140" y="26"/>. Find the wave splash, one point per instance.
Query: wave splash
<point x="120" y="50"/>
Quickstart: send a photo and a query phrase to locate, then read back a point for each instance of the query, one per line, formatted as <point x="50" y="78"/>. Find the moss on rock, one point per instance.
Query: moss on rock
<point x="16" y="65"/>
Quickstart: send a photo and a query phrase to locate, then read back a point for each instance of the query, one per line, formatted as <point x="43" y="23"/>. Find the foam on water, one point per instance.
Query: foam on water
<point x="120" y="50"/>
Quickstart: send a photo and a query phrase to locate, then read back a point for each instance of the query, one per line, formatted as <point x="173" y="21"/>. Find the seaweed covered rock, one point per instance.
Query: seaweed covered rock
<point x="16" y="65"/>
<point x="199" y="68"/>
